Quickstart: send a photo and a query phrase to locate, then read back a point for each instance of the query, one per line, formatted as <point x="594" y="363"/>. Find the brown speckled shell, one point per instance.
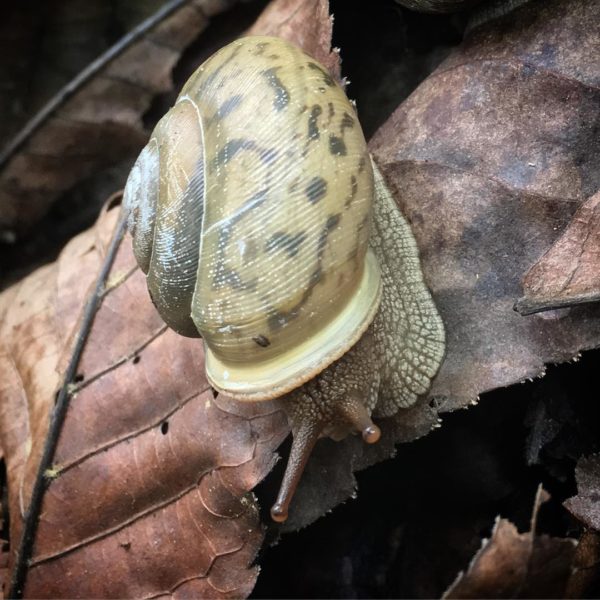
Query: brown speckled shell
<point x="259" y="238"/>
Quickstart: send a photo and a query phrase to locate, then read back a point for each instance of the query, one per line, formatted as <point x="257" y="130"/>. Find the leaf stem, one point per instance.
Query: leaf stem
<point x="42" y="480"/>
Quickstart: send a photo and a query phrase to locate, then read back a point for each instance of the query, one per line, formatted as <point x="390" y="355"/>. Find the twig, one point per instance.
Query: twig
<point x="58" y="416"/>
<point x="84" y="76"/>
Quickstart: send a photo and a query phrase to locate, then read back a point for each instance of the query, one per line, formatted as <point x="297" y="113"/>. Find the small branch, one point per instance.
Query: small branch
<point x="58" y="416"/>
<point x="84" y="76"/>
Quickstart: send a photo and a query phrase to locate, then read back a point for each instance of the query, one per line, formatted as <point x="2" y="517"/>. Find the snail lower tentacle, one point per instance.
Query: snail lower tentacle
<point x="305" y="438"/>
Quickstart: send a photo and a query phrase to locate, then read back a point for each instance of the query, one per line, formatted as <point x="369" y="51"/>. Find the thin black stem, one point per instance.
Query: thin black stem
<point x="57" y="418"/>
<point x="84" y="76"/>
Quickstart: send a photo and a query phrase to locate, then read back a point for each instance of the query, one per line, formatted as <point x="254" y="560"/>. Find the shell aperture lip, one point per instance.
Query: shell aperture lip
<point x="257" y="380"/>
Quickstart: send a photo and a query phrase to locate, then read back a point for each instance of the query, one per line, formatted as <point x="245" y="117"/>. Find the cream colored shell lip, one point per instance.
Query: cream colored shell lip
<point x="254" y="382"/>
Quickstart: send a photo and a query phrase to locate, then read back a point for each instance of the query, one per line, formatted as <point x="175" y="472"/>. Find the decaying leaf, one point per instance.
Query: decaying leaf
<point x="517" y="565"/>
<point x="567" y="274"/>
<point x="586" y="566"/>
<point x="486" y="180"/>
<point x="489" y="158"/>
<point x="151" y="475"/>
<point x="586" y="505"/>
<point x="96" y="119"/>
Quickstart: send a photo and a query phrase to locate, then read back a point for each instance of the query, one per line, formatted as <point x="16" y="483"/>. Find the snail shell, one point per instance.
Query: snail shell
<point x="250" y="210"/>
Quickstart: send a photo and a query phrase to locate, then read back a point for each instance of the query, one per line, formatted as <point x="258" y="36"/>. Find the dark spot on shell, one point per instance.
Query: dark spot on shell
<point x="232" y="147"/>
<point x="327" y="78"/>
<point x="225" y="109"/>
<point x="282" y="96"/>
<point x="262" y="340"/>
<point x="313" y="128"/>
<point x="316" y="276"/>
<point x="294" y="185"/>
<point x="332" y="222"/>
<point x="337" y="147"/>
<point x="210" y="80"/>
<point x="164" y="427"/>
<point x="278" y="319"/>
<point x="331" y="110"/>
<point x="353" y="190"/>
<point x="268" y="155"/>
<point x="229" y="105"/>
<point x="274" y="56"/>
<point x="286" y="242"/>
<point x="364" y="222"/>
<point x="361" y="164"/>
<point x="347" y="122"/>
<point x="316" y="189"/>
<point x="260" y="48"/>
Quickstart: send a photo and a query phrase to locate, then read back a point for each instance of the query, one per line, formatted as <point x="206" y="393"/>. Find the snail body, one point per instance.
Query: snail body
<point x="250" y="211"/>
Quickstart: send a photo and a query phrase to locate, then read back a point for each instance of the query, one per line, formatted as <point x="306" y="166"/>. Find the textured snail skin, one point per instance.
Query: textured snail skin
<point x="250" y="210"/>
<point x="388" y="369"/>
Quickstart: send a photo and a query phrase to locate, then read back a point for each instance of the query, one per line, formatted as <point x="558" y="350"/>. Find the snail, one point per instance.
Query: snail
<point x="264" y="226"/>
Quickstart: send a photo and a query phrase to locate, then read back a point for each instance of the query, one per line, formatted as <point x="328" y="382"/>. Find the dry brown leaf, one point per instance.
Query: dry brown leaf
<point x="517" y="565"/>
<point x="151" y="475"/>
<point x="486" y="180"/>
<point x="306" y="24"/>
<point x="100" y="124"/>
<point x="568" y="273"/>
<point x="489" y="158"/>
<point x="586" y="566"/>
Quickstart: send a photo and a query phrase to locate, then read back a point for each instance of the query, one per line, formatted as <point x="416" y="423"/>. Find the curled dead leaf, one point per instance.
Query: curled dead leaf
<point x="517" y="565"/>
<point x="567" y="274"/>
<point x="487" y="178"/>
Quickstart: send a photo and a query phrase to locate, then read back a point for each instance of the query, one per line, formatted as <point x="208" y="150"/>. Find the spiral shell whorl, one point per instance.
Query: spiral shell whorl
<point x="263" y="158"/>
